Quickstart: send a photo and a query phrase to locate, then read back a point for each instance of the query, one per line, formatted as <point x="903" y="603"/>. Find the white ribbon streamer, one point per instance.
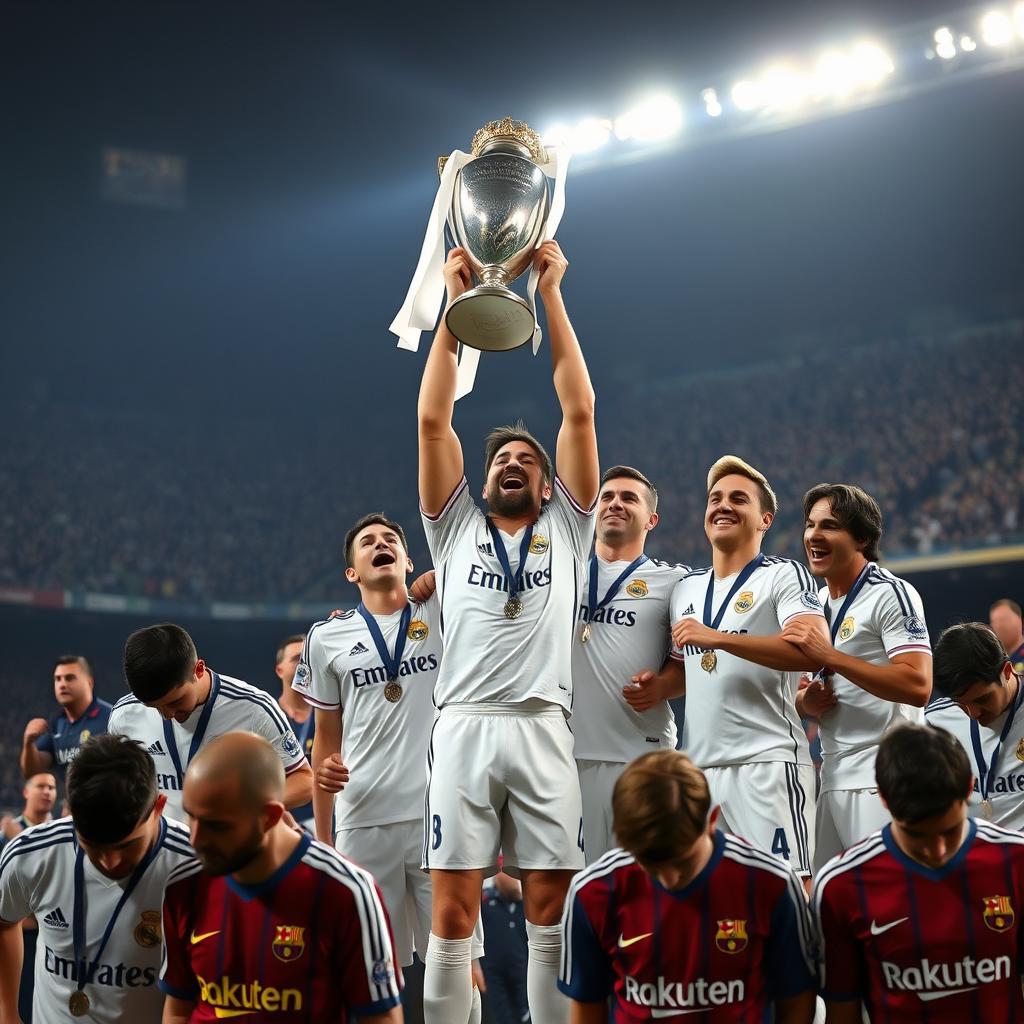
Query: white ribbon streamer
<point x="426" y="290"/>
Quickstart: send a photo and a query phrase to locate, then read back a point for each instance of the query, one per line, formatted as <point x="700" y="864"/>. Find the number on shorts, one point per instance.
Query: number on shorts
<point x="579" y="842"/>
<point x="436" y="824"/>
<point x="779" y="845"/>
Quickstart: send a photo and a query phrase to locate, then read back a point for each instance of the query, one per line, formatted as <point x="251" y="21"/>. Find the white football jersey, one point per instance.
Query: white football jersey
<point x="884" y="619"/>
<point x="237" y="707"/>
<point x="489" y="657"/>
<point x="1006" y="788"/>
<point x="37" y="876"/>
<point x="384" y="743"/>
<point x="740" y="712"/>
<point x="630" y="634"/>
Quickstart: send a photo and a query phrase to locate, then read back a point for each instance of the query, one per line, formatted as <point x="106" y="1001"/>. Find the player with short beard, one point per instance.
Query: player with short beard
<point x="502" y="773"/>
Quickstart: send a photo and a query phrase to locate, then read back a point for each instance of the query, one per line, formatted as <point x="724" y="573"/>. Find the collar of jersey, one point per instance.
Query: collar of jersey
<point x="93" y="706"/>
<point x="250" y="892"/>
<point x="932" y="874"/>
<point x="702" y="876"/>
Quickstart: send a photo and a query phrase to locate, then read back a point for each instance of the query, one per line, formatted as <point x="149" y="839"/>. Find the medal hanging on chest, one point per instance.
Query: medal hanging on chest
<point x="392" y="662"/>
<point x="593" y="605"/>
<point x="513" y="580"/>
<point x="78" y="1004"/>
<point x="393" y="692"/>
<point x="708" y="661"/>
<point x="513" y="608"/>
<point x="988" y="770"/>
<point x="585" y="633"/>
<point x="709" y="658"/>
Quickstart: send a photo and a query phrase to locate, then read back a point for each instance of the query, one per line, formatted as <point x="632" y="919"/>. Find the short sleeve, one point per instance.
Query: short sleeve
<point x="364" y="953"/>
<point x="675" y="609"/>
<point x="15" y="903"/>
<point x="444" y="529"/>
<point x="586" y="971"/>
<point x="840" y="967"/>
<point x="576" y="521"/>
<point x="314" y="678"/>
<point x="901" y="623"/>
<point x="268" y="721"/>
<point x="790" y="949"/>
<point x="176" y="975"/>
<point x="794" y="593"/>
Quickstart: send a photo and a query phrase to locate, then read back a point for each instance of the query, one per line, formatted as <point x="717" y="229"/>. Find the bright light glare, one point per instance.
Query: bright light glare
<point x="835" y="74"/>
<point x="659" y="117"/>
<point x="782" y="87"/>
<point x="557" y="135"/>
<point x="873" y="63"/>
<point x="997" y="29"/>
<point x="746" y="95"/>
<point x="967" y="44"/>
<point x="711" y="104"/>
<point x="1018" y="17"/>
<point x="944" y="45"/>
<point x="590" y="134"/>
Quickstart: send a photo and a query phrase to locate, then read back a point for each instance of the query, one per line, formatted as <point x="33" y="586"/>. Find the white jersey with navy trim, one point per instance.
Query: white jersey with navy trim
<point x="238" y="707"/>
<point x="37" y="877"/>
<point x="740" y="712"/>
<point x="1006" y="787"/>
<point x="884" y="620"/>
<point x="488" y="657"/>
<point x="630" y="634"/>
<point x="384" y="743"/>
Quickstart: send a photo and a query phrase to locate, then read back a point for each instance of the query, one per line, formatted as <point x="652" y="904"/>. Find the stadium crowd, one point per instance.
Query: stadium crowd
<point x="95" y="501"/>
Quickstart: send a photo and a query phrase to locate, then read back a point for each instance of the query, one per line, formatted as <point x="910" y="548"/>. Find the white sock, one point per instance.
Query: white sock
<point x="447" y="985"/>
<point x="476" y="1012"/>
<point x="547" y="1004"/>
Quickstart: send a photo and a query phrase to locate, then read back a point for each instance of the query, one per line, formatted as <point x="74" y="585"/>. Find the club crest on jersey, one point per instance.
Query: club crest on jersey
<point x="1020" y="750"/>
<point x="915" y="627"/>
<point x="539" y="544"/>
<point x="637" y="588"/>
<point x="417" y="630"/>
<point x="847" y="628"/>
<point x="731" y="936"/>
<point x="744" y="602"/>
<point x="289" y="943"/>
<point x="303" y="677"/>
<point x="290" y="744"/>
<point x="382" y="971"/>
<point x="84" y="737"/>
<point x="809" y="599"/>
<point x="998" y="914"/>
<point x="147" y="931"/>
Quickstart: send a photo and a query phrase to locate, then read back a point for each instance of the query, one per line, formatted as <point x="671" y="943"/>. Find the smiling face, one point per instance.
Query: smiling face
<point x="624" y="512"/>
<point x="515" y="481"/>
<point x="378" y="558"/>
<point x="830" y="548"/>
<point x="734" y="516"/>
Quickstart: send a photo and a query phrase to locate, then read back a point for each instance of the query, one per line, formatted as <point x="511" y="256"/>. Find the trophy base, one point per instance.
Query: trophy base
<point x="491" y="318"/>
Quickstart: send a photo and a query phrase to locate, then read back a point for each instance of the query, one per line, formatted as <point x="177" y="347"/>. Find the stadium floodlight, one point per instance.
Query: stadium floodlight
<point x="746" y="95"/>
<point x="1018" y="17"/>
<point x="967" y="44"/>
<point x="945" y="46"/>
<point x="873" y="64"/>
<point x="659" y="117"/>
<point x="784" y="88"/>
<point x="556" y="136"/>
<point x="711" y="104"/>
<point x="590" y="134"/>
<point x="835" y="74"/>
<point x="997" y="29"/>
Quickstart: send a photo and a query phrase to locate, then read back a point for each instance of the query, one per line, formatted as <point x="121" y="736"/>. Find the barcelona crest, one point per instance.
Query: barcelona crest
<point x="731" y="936"/>
<point x="638" y="588"/>
<point x="744" y="602"/>
<point x="998" y="914"/>
<point x="538" y="545"/>
<point x="417" y="630"/>
<point x="288" y="944"/>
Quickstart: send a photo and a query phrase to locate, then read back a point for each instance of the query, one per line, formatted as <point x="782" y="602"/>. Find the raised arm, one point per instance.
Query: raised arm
<point x="32" y="759"/>
<point x="576" y="451"/>
<point x="441" y="464"/>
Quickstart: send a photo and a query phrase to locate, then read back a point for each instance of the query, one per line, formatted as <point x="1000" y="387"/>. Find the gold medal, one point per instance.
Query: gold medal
<point x="986" y="808"/>
<point x="708" y="661"/>
<point x="585" y="633"/>
<point x="78" y="1003"/>
<point x="393" y="692"/>
<point x="513" y="608"/>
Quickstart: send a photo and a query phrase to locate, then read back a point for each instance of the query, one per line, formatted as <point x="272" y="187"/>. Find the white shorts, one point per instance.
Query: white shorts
<point x="502" y="779"/>
<point x="597" y="781"/>
<point x="845" y="817"/>
<point x="771" y="805"/>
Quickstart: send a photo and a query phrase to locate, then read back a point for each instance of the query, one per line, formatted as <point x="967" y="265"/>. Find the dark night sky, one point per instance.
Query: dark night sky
<point x="311" y="133"/>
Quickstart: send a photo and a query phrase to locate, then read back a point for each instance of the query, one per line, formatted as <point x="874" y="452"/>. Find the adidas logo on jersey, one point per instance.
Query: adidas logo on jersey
<point x="359" y="648"/>
<point x="156" y="748"/>
<point x="689" y="609"/>
<point x="56" y="919"/>
<point x="485" y="549"/>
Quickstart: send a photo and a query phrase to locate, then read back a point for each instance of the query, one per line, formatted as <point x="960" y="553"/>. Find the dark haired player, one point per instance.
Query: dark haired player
<point x="876" y="661"/>
<point x="502" y="773"/>
<point x="94" y="882"/>
<point x="50" y="746"/>
<point x="684" y="919"/>
<point x="178" y="703"/>
<point x="921" y="921"/>
<point x="300" y="715"/>
<point x="268" y="924"/>
<point x="981" y="706"/>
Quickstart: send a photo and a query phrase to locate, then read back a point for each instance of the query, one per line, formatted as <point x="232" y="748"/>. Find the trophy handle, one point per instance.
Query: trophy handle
<point x="441" y="161"/>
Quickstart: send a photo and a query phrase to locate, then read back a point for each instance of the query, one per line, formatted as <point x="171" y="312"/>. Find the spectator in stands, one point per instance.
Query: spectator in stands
<point x="52" y="745"/>
<point x="1005" y="619"/>
<point x="504" y="965"/>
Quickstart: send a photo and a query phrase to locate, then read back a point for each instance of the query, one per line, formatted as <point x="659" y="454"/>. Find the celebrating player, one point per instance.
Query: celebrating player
<point x="741" y="725"/>
<point x="684" y="919"/>
<point x="623" y="628"/>
<point x="178" y="702"/>
<point x="921" y="921"/>
<point x="94" y="882"/>
<point x="502" y="774"/>
<point x="980" y="706"/>
<point x="277" y="925"/>
<point x="876" y="669"/>
<point x="299" y="714"/>
<point x="50" y="746"/>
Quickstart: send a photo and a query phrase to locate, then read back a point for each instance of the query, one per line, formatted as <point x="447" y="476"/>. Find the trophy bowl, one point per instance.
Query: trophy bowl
<point x="498" y="212"/>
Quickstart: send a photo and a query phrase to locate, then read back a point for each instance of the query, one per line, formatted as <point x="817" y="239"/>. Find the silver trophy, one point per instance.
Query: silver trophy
<point x="499" y="208"/>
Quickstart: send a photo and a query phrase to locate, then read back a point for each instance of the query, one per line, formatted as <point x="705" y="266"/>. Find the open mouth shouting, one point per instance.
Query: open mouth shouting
<point x="383" y="559"/>
<point x="818" y="555"/>
<point x="513" y="481"/>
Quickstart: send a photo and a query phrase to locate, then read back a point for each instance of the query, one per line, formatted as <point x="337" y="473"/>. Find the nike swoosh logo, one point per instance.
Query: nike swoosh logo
<point x="928" y="997"/>
<point x="877" y="929"/>
<point x="624" y="943"/>
<point x="196" y="939"/>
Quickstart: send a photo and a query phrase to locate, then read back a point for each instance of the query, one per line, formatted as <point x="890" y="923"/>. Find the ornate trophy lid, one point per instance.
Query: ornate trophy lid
<point x="507" y="128"/>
